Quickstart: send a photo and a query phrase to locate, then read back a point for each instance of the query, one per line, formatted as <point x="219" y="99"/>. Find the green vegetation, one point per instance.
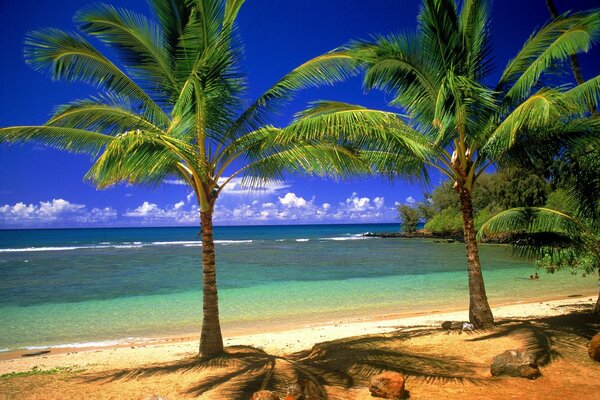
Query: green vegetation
<point x="410" y="217"/>
<point x="36" y="371"/>
<point x="440" y="211"/>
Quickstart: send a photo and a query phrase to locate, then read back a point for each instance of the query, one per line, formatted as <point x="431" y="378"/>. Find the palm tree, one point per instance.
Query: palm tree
<point x="174" y="106"/>
<point x="556" y="239"/>
<point x="439" y="76"/>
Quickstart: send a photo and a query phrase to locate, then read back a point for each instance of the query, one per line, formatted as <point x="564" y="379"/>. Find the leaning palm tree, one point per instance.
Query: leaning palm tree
<point x="555" y="239"/>
<point x="439" y="76"/>
<point x="173" y="105"/>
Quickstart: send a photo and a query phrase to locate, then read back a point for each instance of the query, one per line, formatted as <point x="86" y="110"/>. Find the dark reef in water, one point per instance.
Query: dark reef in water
<point x="450" y="237"/>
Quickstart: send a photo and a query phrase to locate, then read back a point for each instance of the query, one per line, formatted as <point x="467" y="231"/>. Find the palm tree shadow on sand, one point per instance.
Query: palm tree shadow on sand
<point x="552" y="338"/>
<point x="342" y="363"/>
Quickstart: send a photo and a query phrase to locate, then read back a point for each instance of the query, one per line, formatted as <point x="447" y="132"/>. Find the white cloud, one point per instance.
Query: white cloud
<point x="410" y="200"/>
<point x="291" y="200"/>
<point x="58" y="212"/>
<point x="240" y="186"/>
<point x="149" y="213"/>
<point x="294" y="208"/>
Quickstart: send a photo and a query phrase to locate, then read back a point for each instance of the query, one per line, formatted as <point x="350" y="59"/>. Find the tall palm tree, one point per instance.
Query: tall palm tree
<point x="173" y="105"/>
<point x="556" y="239"/>
<point x="438" y="76"/>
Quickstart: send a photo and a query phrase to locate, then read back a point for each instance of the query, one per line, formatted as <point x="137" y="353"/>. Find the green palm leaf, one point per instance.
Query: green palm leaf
<point x="139" y="40"/>
<point x="71" y="57"/>
<point x="109" y="115"/>
<point x="62" y="138"/>
<point x="584" y="95"/>
<point x="557" y="40"/>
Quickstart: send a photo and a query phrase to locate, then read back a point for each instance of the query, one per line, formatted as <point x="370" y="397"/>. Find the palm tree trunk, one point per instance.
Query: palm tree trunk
<point x="480" y="314"/>
<point x="211" y="341"/>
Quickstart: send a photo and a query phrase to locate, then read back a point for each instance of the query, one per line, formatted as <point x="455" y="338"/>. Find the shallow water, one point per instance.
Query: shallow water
<point x="93" y="285"/>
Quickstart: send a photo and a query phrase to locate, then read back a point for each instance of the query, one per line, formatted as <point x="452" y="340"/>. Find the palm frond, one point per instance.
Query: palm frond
<point x="438" y="28"/>
<point x="557" y="40"/>
<point x="199" y="36"/>
<point x="71" y="57"/>
<point x="61" y="138"/>
<point x="316" y="158"/>
<point x="585" y="95"/>
<point x="538" y="111"/>
<point x="539" y="232"/>
<point x="326" y="69"/>
<point x="139" y="41"/>
<point x="109" y="115"/>
<point x="397" y="63"/>
<point x="139" y="157"/>
<point x="173" y="16"/>
<point x="232" y="8"/>
<point x="474" y="26"/>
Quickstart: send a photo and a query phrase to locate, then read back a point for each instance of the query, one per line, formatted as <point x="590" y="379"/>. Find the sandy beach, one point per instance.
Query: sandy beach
<point x="438" y="364"/>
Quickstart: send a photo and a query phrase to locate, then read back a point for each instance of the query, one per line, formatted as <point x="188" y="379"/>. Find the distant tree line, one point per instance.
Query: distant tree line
<point x="495" y="192"/>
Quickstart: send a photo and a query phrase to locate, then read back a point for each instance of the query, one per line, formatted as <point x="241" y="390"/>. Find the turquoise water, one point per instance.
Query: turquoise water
<point x="61" y="287"/>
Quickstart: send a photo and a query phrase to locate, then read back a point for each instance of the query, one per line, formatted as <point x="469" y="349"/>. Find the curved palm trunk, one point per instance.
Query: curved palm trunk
<point x="211" y="341"/>
<point x="480" y="314"/>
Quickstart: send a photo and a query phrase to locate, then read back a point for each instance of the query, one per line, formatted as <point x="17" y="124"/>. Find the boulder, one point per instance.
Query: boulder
<point x="264" y="395"/>
<point x="515" y="363"/>
<point x="454" y="325"/>
<point x="594" y="348"/>
<point x="304" y="389"/>
<point x="387" y="385"/>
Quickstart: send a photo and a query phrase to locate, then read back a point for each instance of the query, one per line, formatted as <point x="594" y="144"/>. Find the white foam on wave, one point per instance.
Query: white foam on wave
<point x="125" y="245"/>
<point x="4" y="350"/>
<point x="27" y="249"/>
<point x="343" y="238"/>
<point x="181" y="242"/>
<point x="302" y="240"/>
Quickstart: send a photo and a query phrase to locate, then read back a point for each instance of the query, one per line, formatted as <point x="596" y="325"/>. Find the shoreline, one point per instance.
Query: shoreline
<point x="275" y="325"/>
<point x="280" y="340"/>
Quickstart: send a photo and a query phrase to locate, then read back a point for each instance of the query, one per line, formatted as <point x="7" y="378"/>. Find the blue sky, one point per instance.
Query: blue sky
<point x="41" y="187"/>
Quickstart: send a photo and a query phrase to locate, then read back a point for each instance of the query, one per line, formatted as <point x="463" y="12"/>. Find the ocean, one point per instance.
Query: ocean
<point x="81" y="287"/>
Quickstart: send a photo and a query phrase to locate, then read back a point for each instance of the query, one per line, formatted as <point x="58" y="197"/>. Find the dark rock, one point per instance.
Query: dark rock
<point x="453" y="325"/>
<point x="304" y="389"/>
<point x="387" y="385"/>
<point x="594" y="348"/>
<point x="264" y="395"/>
<point x="446" y="324"/>
<point x="515" y="363"/>
<point x="37" y="353"/>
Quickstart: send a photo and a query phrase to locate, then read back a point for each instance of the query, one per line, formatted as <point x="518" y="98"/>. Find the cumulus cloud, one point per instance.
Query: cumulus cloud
<point x="291" y="200"/>
<point x="239" y="186"/>
<point x="58" y="212"/>
<point x="293" y="209"/>
<point x="410" y="200"/>
<point x="276" y="209"/>
<point x="148" y="213"/>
